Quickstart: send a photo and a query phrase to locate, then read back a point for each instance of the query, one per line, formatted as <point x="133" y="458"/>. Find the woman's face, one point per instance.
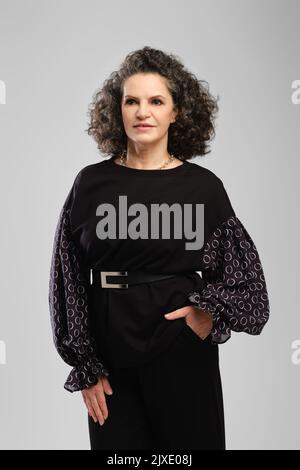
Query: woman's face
<point x="146" y="99"/>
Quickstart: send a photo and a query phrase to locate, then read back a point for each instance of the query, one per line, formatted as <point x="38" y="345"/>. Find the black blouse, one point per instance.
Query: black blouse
<point x="205" y="235"/>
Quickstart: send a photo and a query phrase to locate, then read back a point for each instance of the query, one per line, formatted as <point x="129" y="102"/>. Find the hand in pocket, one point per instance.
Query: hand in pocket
<point x="200" y="321"/>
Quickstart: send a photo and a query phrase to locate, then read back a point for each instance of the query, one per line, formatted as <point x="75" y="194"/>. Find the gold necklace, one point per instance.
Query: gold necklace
<point x="170" y="159"/>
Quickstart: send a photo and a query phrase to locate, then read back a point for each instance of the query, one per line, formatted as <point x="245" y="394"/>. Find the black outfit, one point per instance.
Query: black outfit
<point x="123" y="332"/>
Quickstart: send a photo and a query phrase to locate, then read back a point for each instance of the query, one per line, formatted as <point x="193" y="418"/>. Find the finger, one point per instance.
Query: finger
<point x="91" y="411"/>
<point x="97" y="409"/>
<point x="179" y="313"/>
<point x="106" y="386"/>
<point x="100" y="397"/>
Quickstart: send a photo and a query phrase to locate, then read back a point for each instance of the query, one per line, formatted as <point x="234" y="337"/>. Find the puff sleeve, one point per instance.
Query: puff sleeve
<point x="233" y="287"/>
<point x="68" y="304"/>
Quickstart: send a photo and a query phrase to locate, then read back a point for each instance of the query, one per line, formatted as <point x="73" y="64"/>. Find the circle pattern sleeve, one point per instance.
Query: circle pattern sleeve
<point x="234" y="288"/>
<point x="68" y="304"/>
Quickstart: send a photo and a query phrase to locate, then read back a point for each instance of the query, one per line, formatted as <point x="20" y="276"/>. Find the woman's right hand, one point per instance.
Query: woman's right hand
<point x="94" y="398"/>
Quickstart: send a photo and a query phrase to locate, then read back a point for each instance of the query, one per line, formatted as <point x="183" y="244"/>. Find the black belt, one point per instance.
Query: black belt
<point x="122" y="279"/>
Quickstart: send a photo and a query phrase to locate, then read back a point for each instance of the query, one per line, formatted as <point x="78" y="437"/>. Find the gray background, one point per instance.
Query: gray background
<point x="53" y="56"/>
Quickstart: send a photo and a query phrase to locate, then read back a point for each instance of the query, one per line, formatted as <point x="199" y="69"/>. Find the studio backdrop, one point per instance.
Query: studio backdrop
<point x="53" y="56"/>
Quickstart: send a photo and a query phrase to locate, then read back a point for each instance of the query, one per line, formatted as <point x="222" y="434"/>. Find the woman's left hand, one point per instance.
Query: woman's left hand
<point x="199" y="320"/>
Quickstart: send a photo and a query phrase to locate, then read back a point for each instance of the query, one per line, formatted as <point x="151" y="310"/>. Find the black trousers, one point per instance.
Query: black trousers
<point x="173" y="402"/>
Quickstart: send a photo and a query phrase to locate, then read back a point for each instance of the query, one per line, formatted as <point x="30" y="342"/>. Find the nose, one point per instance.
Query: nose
<point x="142" y="111"/>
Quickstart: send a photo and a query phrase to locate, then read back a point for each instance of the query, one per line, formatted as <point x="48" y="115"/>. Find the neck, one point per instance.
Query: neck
<point x="137" y="162"/>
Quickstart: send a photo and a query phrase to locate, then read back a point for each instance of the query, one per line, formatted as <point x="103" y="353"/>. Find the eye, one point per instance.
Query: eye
<point x="131" y="99"/>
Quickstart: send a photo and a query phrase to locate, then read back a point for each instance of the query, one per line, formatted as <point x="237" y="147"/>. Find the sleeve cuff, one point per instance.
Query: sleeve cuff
<point x="85" y="375"/>
<point x="221" y="332"/>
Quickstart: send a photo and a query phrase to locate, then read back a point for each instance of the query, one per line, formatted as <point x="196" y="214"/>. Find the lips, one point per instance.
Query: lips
<point x="143" y="125"/>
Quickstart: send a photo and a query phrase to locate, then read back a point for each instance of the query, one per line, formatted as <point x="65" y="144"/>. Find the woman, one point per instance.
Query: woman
<point x="133" y="234"/>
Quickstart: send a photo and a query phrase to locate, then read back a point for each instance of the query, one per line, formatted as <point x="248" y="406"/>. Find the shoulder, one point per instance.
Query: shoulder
<point x="82" y="180"/>
<point x="89" y="173"/>
<point x="213" y="193"/>
<point x="91" y="169"/>
<point x="208" y="178"/>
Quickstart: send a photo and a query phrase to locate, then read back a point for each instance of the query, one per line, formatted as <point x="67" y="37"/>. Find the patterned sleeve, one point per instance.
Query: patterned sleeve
<point x="233" y="287"/>
<point x="68" y="303"/>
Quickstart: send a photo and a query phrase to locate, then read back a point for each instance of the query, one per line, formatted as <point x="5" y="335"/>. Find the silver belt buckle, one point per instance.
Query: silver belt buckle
<point x="104" y="282"/>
